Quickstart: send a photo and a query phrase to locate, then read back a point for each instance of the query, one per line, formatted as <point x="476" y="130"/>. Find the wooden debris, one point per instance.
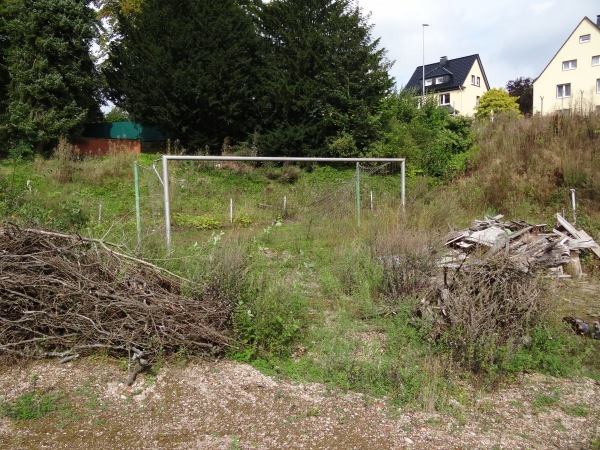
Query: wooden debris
<point x="530" y="246"/>
<point x="594" y="247"/>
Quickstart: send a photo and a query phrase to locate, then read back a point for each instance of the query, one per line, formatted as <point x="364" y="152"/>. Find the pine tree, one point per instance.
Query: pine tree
<point x="327" y="76"/>
<point x="54" y="85"/>
<point x="188" y="67"/>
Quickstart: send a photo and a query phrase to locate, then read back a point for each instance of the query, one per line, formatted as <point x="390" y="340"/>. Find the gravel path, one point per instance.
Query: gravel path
<point x="226" y="405"/>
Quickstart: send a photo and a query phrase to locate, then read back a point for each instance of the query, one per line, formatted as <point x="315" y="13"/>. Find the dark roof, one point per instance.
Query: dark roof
<point x="458" y="69"/>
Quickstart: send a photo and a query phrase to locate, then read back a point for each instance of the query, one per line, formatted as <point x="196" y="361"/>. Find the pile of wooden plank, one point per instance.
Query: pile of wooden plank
<point x="531" y="246"/>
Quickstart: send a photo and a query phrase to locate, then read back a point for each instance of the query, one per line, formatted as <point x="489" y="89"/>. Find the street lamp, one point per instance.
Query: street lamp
<point x="423" y="91"/>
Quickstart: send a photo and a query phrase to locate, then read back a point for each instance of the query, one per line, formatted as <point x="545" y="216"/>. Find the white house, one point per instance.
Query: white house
<point x="571" y="80"/>
<point x="458" y="83"/>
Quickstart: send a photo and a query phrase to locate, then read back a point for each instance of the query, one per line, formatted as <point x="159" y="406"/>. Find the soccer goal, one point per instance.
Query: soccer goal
<point x="348" y="193"/>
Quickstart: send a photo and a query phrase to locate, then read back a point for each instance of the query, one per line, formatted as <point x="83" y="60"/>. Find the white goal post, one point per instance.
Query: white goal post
<point x="167" y="158"/>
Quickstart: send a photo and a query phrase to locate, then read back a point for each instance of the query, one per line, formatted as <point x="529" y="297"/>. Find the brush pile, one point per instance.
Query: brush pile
<point x="63" y="295"/>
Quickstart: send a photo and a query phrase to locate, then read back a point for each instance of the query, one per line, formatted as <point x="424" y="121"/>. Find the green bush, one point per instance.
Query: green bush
<point x="269" y="321"/>
<point x="21" y="152"/>
<point x="427" y="136"/>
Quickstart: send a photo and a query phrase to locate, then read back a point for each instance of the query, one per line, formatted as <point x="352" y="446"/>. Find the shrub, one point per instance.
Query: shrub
<point x="268" y="321"/>
<point x="20" y="153"/>
<point x="343" y="146"/>
<point x="492" y="308"/>
<point x="408" y="259"/>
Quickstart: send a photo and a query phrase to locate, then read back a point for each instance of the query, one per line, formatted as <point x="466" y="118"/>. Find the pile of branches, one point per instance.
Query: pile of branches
<point x="63" y="295"/>
<point x="484" y="306"/>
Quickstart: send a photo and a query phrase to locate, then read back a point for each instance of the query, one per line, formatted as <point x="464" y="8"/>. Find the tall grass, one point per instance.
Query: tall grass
<point x="527" y="166"/>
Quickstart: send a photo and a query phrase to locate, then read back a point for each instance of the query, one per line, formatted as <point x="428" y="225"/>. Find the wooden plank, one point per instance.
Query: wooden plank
<point x="488" y="237"/>
<point x="567" y="226"/>
<point x="596" y="248"/>
<point x="456" y="238"/>
<point x="516" y="234"/>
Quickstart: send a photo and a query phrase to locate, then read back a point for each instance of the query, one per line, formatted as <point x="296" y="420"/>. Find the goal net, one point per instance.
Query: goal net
<point x="204" y="194"/>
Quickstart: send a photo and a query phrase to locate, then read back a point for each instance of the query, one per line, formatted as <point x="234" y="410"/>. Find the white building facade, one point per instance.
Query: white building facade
<point x="571" y="81"/>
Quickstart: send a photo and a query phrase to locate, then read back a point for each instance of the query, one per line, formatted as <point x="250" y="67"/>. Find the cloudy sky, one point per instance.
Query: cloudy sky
<point x="513" y="37"/>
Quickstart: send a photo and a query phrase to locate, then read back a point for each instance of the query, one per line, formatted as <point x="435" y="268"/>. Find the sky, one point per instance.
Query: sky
<point x="513" y="38"/>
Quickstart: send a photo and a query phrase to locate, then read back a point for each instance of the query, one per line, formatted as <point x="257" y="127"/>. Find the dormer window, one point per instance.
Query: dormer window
<point x="585" y="38"/>
<point x="569" y="65"/>
<point x="439" y="80"/>
<point x="428" y="82"/>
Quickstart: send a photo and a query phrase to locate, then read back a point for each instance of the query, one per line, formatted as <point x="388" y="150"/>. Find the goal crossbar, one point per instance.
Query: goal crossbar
<point x="167" y="158"/>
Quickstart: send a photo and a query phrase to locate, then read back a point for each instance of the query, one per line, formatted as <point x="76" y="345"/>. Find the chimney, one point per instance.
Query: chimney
<point x="443" y="61"/>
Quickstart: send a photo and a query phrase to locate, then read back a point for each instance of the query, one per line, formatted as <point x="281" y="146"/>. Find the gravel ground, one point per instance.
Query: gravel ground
<point x="226" y="405"/>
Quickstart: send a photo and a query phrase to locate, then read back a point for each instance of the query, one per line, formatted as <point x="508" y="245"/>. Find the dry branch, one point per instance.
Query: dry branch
<point x="63" y="294"/>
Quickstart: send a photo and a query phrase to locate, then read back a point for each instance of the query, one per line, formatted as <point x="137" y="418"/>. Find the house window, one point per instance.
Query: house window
<point x="439" y="80"/>
<point x="478" y="81"/>
<point x="428" y="82"/>
<point x="473" y="79"/>
<point x="598" y="86"/>
<point x="477" y="101"/>
<point x="596" y="60"/>
<point x="563" y="90"/>
<point x="570" y="65"/>
<point x="584" y="38"/>
<point x="444" y="99"/>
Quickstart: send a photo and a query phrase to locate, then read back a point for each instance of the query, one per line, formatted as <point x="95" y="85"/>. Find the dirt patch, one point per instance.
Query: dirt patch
<point x="226" y="405"/>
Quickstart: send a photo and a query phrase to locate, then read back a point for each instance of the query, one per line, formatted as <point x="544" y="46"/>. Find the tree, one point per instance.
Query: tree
<point x="54" y="85"/>
<point x="189" y="67"/>
<point x="327" y="77"/>
<point x="5" y="14"/>
<point x="522" y="88"/>
<point x="433" y="142"/>
<point x="496" y="100"/>
<point x="116" y="114"/>
<point x="109" y="12"/>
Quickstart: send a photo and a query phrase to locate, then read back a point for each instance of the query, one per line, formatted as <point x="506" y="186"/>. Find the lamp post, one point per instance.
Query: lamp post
<point x="423" y="91"/>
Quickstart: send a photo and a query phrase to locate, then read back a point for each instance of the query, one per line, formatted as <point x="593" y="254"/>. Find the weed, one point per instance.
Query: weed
<point x="32" y="405"/>
<point x="269" y="323"/>
<point x="234" y="444"/>
<point x="581" y="410"/>
<point x="199" y="222"/>
<point x="543" y="401"/>
<point x="98" y="422"/>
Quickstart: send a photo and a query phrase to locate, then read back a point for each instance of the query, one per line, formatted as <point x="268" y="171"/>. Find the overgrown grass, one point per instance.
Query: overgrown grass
<point x="314" y="296"/>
